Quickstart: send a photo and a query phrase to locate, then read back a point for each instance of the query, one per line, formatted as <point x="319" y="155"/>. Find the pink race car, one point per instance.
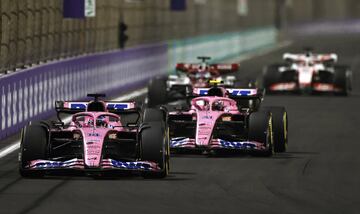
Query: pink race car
<point x="96" y="141"/>
<point x="228" y="120"/>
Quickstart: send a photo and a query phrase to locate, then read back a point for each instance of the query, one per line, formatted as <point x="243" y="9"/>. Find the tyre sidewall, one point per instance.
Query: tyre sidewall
<point x="280" y="127"/>
<point x="341" y="80"/>
<point x="260" y="130"/>
<point x="34" y="145"/>
<point x="154" y="148"/>
<point x="157" y="93"/>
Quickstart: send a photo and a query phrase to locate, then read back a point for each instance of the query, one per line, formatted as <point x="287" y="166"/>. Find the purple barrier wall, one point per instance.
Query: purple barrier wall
<point x="30" y="94"/>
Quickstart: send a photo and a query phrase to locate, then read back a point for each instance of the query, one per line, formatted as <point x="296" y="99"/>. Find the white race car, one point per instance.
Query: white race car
<point x="308" y="72"/>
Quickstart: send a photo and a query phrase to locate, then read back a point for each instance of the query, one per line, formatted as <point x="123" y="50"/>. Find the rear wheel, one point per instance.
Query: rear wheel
<point x="271" y="76"/>
<point x="34" y="144"/>
<point x="153" y="115"/>
<point x="260" y="130"/>
<point x="157" y="94"/>
<point x="342" y="80"/>
<point x="280" y="127"/>
<point x="155" y="148"/>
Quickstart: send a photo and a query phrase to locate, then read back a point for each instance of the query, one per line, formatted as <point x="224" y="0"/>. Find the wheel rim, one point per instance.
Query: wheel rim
<point x="167" y="153"/>
<point x="167" y="165"/>
<point x="270" y="137"/>
<point x="285" y="129"/>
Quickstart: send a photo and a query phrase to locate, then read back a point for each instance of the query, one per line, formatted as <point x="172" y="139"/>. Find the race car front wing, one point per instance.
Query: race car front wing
<point x="106" y="164"/>
<point x="189" y="143"/>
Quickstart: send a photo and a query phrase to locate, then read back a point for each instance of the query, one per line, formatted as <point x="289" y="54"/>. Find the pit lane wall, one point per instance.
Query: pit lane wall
<point x="29" y="95"/>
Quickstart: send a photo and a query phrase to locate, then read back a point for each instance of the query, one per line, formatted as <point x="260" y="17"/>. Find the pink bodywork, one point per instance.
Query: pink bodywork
<point x="207" y="117"/>
<point x="93" y="134"/>
<point x="202" y="109"/>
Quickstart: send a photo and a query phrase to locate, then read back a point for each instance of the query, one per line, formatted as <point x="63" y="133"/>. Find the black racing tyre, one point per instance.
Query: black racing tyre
<point x="342" y="80"/>
<point x="280" y="127"/>
<point x="157" y="94"/>
<point x="34" y="145"/>
<point x="260" y="130"/>
<point x="271" y="75"/>
<point x="155" y="148"/>
<point x="154" y="115"/>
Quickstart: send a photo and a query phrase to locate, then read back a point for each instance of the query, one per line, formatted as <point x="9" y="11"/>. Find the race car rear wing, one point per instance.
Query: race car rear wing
<point x="237" y="93"/>
<point x="220" y="68"/>
<point x="242" y="96"/>
<point x="80" y="106"/>
<point x="247" y="94"/>
<point x="315" y="57"/>
<point x="226" y="68"/>
<point x="116" y="107"/>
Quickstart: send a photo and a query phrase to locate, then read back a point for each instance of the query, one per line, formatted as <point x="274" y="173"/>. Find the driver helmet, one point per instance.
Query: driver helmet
<point x="90" y="123"/>
<point x="101" y="121"/>
<point x="218" y="105"/>
<point x="308" y="53"/>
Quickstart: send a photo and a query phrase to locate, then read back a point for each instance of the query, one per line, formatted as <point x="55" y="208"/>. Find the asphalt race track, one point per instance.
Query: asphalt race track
<point x="320" y="173"/>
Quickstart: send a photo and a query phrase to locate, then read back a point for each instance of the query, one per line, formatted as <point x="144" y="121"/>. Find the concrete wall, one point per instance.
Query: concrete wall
<point x="319" y="10"/>
<point x="151" y="21"/>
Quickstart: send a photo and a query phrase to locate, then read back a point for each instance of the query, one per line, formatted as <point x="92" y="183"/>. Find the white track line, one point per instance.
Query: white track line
<point x="16" y="145"/>
<point x="132" y="95"/>
<point x="9" y="149"/>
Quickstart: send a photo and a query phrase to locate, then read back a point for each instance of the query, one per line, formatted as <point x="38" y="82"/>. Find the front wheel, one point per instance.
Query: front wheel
<point x="261" y="130"/>
<point x="34" y="144"/>
<point x="155" y="148"/>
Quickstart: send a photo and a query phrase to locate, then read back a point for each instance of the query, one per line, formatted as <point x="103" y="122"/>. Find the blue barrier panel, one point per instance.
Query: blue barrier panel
<point x="178" y="5"/>
<point x="74" y="8"/>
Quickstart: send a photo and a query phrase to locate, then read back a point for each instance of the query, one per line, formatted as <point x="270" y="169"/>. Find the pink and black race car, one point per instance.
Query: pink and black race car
<point x="96" y="141"/>
<point x="309" y="73"/>
<point x="162" y="90"/>
<point x="228" y="120"/>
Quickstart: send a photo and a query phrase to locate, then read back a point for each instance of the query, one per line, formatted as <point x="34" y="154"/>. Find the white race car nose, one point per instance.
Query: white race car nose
<point x="305" y="76"/>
